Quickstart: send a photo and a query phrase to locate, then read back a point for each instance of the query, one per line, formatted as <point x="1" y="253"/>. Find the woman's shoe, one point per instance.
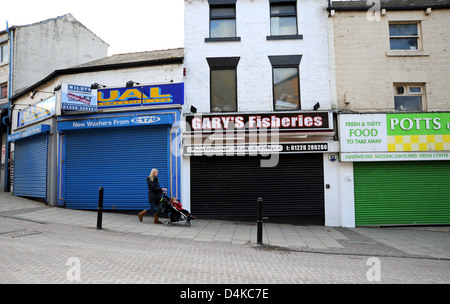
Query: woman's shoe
<point x="156" y="219"/>
<point x="141" y="214"/>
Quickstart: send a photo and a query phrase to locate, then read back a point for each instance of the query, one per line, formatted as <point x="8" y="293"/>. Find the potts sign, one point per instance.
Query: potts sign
<point x="394" y="133"/>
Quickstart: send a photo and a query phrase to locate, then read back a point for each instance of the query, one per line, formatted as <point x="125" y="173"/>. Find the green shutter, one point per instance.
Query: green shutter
<point x="402" y="193"/>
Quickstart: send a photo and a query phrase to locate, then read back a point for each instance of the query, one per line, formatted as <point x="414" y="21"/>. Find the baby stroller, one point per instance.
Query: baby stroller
<point x="166" y="210"/>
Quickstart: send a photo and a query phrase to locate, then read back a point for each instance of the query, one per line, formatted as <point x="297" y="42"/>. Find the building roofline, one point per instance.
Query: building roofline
<point x="388" y="5"/>
<point x="11" y="28"/>
<point x="68" y="16"/>
<point x="14" y="27"/>
<point x="86" y="68"/>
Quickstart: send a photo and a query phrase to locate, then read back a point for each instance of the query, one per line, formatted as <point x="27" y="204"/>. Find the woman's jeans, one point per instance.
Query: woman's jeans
<point x="152" y="208"/>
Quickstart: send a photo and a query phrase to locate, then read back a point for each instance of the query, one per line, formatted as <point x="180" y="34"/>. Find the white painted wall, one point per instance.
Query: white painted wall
<point x="254" y="72"/>
<point x="347" y="197"/>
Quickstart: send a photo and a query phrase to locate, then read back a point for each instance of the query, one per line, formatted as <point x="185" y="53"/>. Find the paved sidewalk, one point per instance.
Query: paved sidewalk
<point x="401" y="242"/>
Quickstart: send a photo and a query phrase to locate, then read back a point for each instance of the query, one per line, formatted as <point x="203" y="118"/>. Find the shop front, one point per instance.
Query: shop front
<point x="116" y="148"/>
<point x="237" y="158"/>
<point x="30" y="162"/>
<point x="401" y="167"/>
<point x="32" y="150"/>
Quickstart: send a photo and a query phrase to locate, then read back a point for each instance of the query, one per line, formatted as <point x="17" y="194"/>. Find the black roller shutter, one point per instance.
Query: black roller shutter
<point x="228" y="187"/>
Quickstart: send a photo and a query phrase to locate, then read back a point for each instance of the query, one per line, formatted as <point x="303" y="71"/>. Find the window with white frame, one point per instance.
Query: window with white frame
<point x="4" y="53"/>
<point x="409" y="97"/>
<point x="404" y="35"/>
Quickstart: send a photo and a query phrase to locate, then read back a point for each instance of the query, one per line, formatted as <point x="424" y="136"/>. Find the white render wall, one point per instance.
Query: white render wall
<point x="254" y="71"/>
<point x="53" y="44"/>
<point x="254" y="76"/>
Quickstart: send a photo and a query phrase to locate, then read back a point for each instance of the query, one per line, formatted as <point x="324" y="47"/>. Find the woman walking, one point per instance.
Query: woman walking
<point x="154" y="195"/>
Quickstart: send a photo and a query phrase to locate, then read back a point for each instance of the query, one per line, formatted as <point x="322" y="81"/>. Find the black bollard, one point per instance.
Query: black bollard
<point x="260" y="222"/>
<point x="100" y="208"/>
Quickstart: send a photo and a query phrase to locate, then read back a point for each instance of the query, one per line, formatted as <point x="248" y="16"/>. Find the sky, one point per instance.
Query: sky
<point x="127" y="26"/>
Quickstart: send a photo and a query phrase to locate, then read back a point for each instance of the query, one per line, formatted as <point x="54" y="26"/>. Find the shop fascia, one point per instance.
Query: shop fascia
<point x="76" y="98"/>
<point x="37" y="113"/>
<point x="394" y="136"/>
<point x="257" y="133"/>
<point x="73" y="97"/>
<point x="85" y="99"/>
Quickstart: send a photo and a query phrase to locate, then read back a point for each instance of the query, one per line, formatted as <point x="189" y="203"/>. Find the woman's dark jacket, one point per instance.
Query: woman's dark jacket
<point x="154" y="190"/>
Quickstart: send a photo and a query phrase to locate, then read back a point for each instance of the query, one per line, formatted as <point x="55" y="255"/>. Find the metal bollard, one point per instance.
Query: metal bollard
<point x="100" y="208"/>
<point x="260" y="222"/>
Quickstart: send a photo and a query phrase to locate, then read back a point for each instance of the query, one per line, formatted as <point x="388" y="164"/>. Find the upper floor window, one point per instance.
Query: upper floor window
<point x="4" y="91"/>
<point x="409" y="97"/>
<point x="222" y="18"/>
<point x="286" y="82"/>
<point x="4" y="53"/>
<point x="223" y="84"/>
<point x="404" y="36"/>
<point x="283" y="18"/>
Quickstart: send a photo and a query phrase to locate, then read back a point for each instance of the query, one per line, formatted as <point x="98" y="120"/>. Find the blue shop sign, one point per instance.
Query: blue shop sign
<point x="29" y="132"/>
<point x="164" y="94"/>
<point x="120" y="121"/>
<point x="41" y="110"/>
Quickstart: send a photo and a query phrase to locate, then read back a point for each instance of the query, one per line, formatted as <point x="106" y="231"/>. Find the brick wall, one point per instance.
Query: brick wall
<point x="366" y="69"/>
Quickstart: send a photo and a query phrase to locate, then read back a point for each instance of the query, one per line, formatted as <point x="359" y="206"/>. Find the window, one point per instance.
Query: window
<point x="4" y="91"/>
<point x="222" y="19"/>
<point x="223" y="84"/>
<point x="223" y="90"/>
<point x="408" y="97"/>
<point x="286" y="82"/>
<point x="4" y="53"/>
<point x="404" y="36"/>
<point x="283" y="18"/>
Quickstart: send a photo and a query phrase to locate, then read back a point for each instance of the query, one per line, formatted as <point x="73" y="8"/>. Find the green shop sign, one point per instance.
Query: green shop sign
<point x="394" y="133"/>
<point x="418" y="124"/>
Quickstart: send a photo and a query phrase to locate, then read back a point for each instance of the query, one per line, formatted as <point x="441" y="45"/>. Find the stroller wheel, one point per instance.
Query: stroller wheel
<point x="187" y="224"/>
<point x="168" y="223"/>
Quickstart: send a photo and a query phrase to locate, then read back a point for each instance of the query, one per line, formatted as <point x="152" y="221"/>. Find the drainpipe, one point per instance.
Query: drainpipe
<point x="10" y="91"/>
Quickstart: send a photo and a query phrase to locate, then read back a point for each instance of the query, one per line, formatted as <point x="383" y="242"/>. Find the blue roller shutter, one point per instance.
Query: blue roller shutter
<point x="119" y="159"/>
<point x="30" y="167"/>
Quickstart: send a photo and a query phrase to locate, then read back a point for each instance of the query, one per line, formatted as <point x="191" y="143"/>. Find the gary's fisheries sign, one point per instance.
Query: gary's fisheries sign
<point x="394" y="136"/>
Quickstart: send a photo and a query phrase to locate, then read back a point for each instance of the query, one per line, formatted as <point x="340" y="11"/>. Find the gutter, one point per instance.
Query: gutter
<point x="387" y="7"/>
<point x="10" y="91"/>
